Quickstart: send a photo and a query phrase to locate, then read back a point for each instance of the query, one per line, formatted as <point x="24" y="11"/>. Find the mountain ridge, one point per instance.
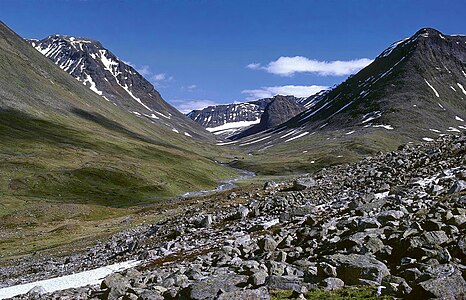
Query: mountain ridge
<point x="114" y="80"/>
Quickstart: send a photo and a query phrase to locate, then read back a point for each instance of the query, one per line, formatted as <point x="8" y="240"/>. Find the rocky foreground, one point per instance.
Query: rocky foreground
<point x="394" y="221"/>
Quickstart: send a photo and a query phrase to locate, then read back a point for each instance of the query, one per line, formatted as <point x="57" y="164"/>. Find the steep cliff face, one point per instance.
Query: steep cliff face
<point x="278" y="111"/>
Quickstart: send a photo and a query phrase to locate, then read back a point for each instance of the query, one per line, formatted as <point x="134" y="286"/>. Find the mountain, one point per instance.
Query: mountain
<point x="278" y="111"/>
<point x="63" y="143"/>
<point x="414" y="86"/>
<point x="226" y="120"/>
<point x="414" y="90"/>
<point x="114" y="80"/>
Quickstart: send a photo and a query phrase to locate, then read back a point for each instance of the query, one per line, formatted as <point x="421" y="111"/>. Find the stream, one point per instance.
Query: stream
<point x="223" y="186"/>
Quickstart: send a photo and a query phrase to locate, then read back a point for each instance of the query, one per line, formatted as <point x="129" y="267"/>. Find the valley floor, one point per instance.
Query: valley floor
<point x="391" y="225"/>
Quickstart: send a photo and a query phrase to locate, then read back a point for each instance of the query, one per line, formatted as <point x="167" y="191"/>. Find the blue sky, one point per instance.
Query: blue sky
<point x="204" y="52"/>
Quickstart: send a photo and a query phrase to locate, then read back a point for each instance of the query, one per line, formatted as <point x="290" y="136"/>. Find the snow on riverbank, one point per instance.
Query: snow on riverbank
<point x="90" y="277"/>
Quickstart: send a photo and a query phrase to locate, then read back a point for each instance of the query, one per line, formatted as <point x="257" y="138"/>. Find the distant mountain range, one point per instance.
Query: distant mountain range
<point x="413" y="91"/>
<point x="229" y="120"/>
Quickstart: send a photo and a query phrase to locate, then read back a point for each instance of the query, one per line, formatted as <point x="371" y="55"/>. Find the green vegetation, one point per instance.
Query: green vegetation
<point x="73" y="166"/>
<point x="321" y="150"/>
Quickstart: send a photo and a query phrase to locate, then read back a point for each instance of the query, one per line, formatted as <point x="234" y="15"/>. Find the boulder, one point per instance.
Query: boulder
<point x="448" y="287"/>
<point x="257" y="294"/>
<point x="434" y="238"/>
<point x="36" y="291"/>
<point x="457" y="186"/>
<point x="332" y="283"/>
<point x="352" y="267"/>
<point x="210" y="288"/>
<point x="290" y="283"/>
<point x="206" y="221"/>
<point x="258" y="278"/>
<point x="267" y="244"/>
<point x="303" y="183"/>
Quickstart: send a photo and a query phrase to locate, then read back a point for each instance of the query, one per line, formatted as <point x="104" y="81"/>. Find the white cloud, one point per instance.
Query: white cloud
<point x="159" y="77"/>
<point x="254" y="66"/>
<point x="185" y="106"/>
<point x="288" y="66"/>
<point x="144" y="70"/>
<point x="192" y="87"/>
<point x="295" y="90"/>
<point x="128" y="63"/>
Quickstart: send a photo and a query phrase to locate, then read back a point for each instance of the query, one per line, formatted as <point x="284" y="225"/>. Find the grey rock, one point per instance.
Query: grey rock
<point x="435" y="237"/>
<point x="258" y="278"/>
<point x="303" y="183"/>
<point x="243" y="212"/>
<point x="206" y="221"/>
<point x="325" y="269"/>
<point x="448" y="287"/>
<point x="286" y="283"/>
<point x="267" y="244"/>
<point x="352" y="267"/>
<point x="36" y="291"/>
<point x="209" y="288"/>
<point x="332" y="284"/>
<point x="257" y="294"/>
<point x="270" y="185"/>
<point x="458" y="186"/>
<point x="390" y="215"/>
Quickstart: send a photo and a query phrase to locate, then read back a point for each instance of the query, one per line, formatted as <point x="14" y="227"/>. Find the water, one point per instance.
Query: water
<point x="223" y="186"/>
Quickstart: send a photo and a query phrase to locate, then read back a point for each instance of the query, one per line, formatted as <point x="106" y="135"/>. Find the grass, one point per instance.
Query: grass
<point x="342" y="294"/>
<point x="73" y="165"/>
<point x="317" y="151"/>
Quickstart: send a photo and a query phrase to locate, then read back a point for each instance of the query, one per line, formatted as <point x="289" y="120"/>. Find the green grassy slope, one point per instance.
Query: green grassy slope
<point x="67" y="153"/>
<point x="62" y="142"/>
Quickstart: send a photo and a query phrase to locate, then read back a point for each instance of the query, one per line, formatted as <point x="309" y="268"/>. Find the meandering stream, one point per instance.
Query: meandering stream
<point x="223" y="186"/>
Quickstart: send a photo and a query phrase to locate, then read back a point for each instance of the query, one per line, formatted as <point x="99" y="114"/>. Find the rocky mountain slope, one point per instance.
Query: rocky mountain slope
<point x="415" y="86"/>
<point x="414" y="90"/>
<point x="278" y="111"/>
<point x="114" y="80"/>
<point x="226" y="120"/>
<point x="394" y="222"/>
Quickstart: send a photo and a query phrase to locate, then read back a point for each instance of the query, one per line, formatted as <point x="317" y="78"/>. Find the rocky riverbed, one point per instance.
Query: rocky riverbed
<point x="395" y="221"/>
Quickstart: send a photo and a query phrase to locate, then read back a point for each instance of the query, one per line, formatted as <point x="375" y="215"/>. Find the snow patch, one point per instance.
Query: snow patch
<point x="392" y="47"/>
<point x="435" y="91"/>
<point x="92" y="84"/>
<point x="458" y="119"/>
<point x="427" y="139"/>
<point x="388" y="127"/>
<point x="90" y="277"/>
<point x="225" y="143"/>
<point x="256" y="141"/>
<point x="461" y="87"/>
<point x="453" y="129"/>
<point x="371" y="116"/>
<point x="297" y="137"/>
<point x="232" y="125"/>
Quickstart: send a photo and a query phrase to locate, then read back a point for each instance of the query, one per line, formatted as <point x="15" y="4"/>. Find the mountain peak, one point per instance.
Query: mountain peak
<point x="115" y="81"/>
<point x="427" y="32"/>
